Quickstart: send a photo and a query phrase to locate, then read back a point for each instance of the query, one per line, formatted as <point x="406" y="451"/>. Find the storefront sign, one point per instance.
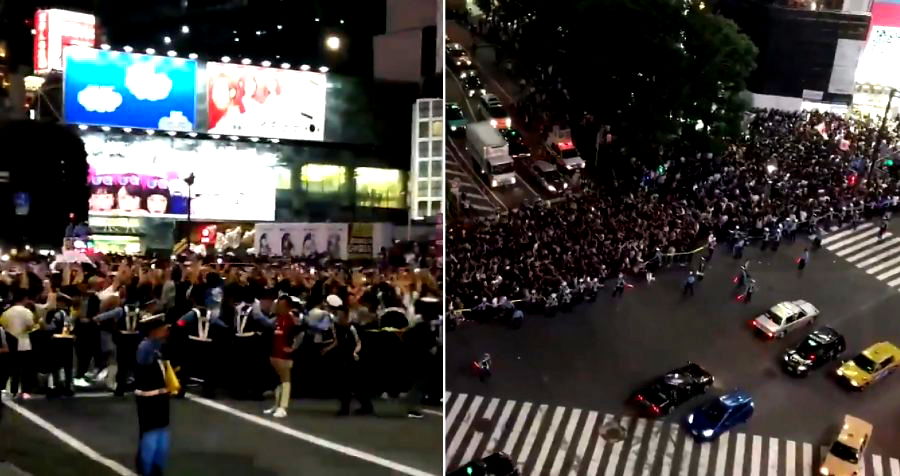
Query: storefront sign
<point x="57" y="29"/>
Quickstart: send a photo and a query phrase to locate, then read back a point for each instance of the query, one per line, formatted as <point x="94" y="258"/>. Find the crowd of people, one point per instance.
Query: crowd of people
<point x="239" y="329"/>
<point x="790" y="172"/>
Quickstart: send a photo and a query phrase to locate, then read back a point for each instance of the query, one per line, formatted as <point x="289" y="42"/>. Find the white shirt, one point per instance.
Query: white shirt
<point x="18" y="321"/>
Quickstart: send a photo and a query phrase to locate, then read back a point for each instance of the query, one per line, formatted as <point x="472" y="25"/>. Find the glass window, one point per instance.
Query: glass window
<point x="437" y="168"/>
<point x="436" y="207"/>
<point x="424" y="109"/>
<point x="423" y="169"/>
<point x="423" y="130"/>
<point x="380" y="188"/>
<point x="438" y="109"/>
<point x="423" y="149"/>
<point x="322" y="178"/>
<point x="423" y="207"/>
<point x="436" y="148"/>
<point x="422" y="188"/>
<point x="437" y="187"/>
<point x="437" y="128"/>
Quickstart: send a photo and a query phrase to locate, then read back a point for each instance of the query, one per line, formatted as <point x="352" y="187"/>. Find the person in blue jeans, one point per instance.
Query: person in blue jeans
<point x="152" y="398"/>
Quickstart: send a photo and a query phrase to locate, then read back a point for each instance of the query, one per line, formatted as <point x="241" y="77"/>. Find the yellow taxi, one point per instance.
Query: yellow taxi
<point x="870" y="365"/>
<point x="847" y="451"/>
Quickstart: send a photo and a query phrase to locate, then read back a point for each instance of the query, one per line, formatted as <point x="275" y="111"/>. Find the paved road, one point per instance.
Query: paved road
<point x="230" y="438"/>
<point x="594" y="357"/>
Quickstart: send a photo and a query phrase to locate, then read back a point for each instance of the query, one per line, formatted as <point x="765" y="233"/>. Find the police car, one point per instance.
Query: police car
<point x="560" y="146"/>
<point x="819" y="348"/>
<point x="785" y="317"/>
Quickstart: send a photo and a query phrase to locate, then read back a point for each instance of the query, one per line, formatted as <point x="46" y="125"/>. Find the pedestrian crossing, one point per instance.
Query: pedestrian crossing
<point x="869" y="250"/>
<point x="459" y="179"/>
<point x="547" y="440"/>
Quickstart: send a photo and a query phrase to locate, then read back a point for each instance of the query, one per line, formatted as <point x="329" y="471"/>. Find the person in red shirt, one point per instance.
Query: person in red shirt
<point x="283" y="345"/>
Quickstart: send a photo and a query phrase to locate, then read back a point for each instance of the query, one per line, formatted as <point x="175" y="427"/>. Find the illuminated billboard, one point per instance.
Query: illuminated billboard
<point x="265" y="102"/>
<point x="380" y="188"/>
<point x="145" y="176"/>
<point x="54" y="30"/>
<point x="112" y="88"/>
<point x="323" y="178"/>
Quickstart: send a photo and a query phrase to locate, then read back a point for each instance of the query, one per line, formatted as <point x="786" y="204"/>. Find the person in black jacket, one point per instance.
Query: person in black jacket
<point x="421" y="343"/>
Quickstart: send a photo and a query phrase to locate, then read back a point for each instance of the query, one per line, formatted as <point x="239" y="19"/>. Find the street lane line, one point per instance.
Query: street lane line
<point x="616" y="451"/>
<point x="634" y="449"/>
<point x="70" y="440"/>
<point x="666" y="467"/>
<point x="549" y="436"/>
<point x="858" y="246"/>
<point x="773" y="457"/>
<point x="432" y="412"/>
<point x="886" y="244"/>
<point x="597" y="455"/>
<point x="852" y="239"/>
<point x="877" y="466"/>
<point x="703" y="461"/>
<point x="755" y="455"/>
<point x="460" y="399"/>
<point x="841" y="234"/>
<point x="807" y="459"/>
<point x="738" y="466"/>
<point x="888" y="263"/>
<point x="583" y="442"/>
<point x="566" y="442"/>
<point x="312" y="439"/>
<point x="721" y="455"/>
<point x="878" y="257"/>
<point x="790" y="458"/>
<point x="532" y="434"/>
<point x="463" y="427"/>
<point x="894" y="283"/>
<point x="494" y="442"/>
<point x="476" y="437"/>
<point x="895" y="467"/>
<point x="685" y="466"/>
<point x="517" y="428"/>
<point x="652" y="445"/>
<point x="888" y="274"/>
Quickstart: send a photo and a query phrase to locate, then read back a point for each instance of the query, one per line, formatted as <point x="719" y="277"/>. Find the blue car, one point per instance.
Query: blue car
<point x="710" y="420"/>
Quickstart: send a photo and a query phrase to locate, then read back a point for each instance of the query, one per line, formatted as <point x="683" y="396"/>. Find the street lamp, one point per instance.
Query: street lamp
<point x="333" y="42"/>
<point x="878" y="137"/>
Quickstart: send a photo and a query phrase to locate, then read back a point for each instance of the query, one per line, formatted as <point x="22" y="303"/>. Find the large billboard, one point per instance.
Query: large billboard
<point x="146" y="177"/>
<point x="54" y="30"/>
<point x="112" y="88"/>
<point x="265" y="102"/>
<point x="305" y="240"/>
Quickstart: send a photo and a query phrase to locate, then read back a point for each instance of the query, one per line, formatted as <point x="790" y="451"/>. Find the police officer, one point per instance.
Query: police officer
<point x="551" y="305"/>
<point x="125" y="322"/>
<point x="751" y="288"/>
<point x="739" y="248"/>
<point x="801" y="262"/>
<point x="620" y="286"/>
<point x="689" y="284"/>
<point x="62" y="345"/>
<point x="152" y="398"/>
<point x="701" y="269"/>
<point x="346" y="355"/>
<point x="252" y="321"/>
<point x="882" y="228"/>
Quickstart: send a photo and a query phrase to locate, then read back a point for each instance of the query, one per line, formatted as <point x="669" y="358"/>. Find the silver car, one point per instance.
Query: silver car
<point x="785" y="317"/>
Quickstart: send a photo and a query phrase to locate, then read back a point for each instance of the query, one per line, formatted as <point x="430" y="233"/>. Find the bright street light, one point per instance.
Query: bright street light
<point x="167" y="40"/>
<point x="185" y="29"/>
<point x="333" y="42"/>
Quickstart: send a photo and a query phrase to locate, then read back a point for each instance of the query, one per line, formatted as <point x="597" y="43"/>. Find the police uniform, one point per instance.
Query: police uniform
<point x="202" y="351"/>
<point x="62" y="347"/>
<point x="152" y="398"/>
<point x="126" y="338"/>
<point x="249" y="364"/>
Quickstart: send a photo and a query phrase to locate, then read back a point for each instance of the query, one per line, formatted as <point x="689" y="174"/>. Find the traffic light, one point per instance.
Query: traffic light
<point x="889" y="162"/>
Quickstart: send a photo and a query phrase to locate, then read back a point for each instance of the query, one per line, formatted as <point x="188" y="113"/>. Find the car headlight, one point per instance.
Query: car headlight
<point x="453" y="128"/>
<point x="801" y="368"/>
<point x="551" y="188"/>
<point x="690" y="418"/>
<point x="854" y="383"/>
<point x="787" y="357"/>
<point x="565" y="185"/>
<point x="824" y="471"/>
<point x="493" y="183"/>
<point x="484" y="91"/>
<point x="707" y="433"/>
<point x="512" y="180"/>
<point x="840" y="372"/>
<point x="493" y="123"/>
<point x="569" y="166"/>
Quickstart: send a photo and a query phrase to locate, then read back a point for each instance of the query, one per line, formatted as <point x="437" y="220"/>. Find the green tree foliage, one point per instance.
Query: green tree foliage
<point x="653" y="69"/>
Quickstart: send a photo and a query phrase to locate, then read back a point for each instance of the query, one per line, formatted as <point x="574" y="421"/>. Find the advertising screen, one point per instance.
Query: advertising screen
<point x="146" y="176"/>
<point x="54" y="30"/>
<point x="380" y="188"/>
<point x="265" y="102"/>
<point x="305" y="240"/>
<point x="129" y="90"/>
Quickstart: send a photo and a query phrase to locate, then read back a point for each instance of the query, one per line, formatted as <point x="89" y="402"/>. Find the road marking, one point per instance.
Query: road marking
<point x="555" y="420"/>
<point x="739" y="455"/>
<point x="890" y="262"/>
<point x="755" y="454"/>
<point x="476" y="438"/>
<point x="70" y="440"/>
<point x="854" y="238"/>
<point x="773" y="457"/>
<point x="721" y="455"/>
<point x="686" y="456"/>
<point x="655" y="434"/>
<point x="895" y="467"/>
<point x="583" y="442"/>
<point x="566" y="442"/>
<point x="463" y="427"/>
<point x="432" y="412"/>
<point x="457" y="405"/>
<point x="878" y="257"/>
<point x="790" y="458"/>
<point x="883" y="276"/>
<point x="669" y="453"/>
<point x="517" y="428"/>
<point x="877" y="466"/>
<point x="886" y="244"/>
<point x="312" y="439"/>
<point x="532" y="434"/>
<point x="635" y="447"/>
<point x="703" y="462"/>
<point x="841" y="234"/>
<point x="616" y="451"/>
<point x="807" y="459"/>
<point x="594" y="466"/>
<point x="494" y="442"/>
<point x="858" y="246"/>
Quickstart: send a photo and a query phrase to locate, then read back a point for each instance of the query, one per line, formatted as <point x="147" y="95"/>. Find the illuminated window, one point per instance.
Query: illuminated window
<point x="321" y="178"/>
<point x="380" y="188"/>
<point x="437" y="128"/>
<point x="283" y="175"/>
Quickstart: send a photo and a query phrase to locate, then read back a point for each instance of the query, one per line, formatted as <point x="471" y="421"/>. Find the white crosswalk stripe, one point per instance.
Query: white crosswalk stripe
<point x="878" y="256"/>
<point x="558" y="440"/>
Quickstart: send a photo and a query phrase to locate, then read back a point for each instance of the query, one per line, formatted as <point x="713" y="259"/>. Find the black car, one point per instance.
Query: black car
<point x="497" y="464"/>
<point x="473" y="86"/>
<point x="517" y="146"/>
<point x="820" y="347"/>
<point x="662" y="395"/>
